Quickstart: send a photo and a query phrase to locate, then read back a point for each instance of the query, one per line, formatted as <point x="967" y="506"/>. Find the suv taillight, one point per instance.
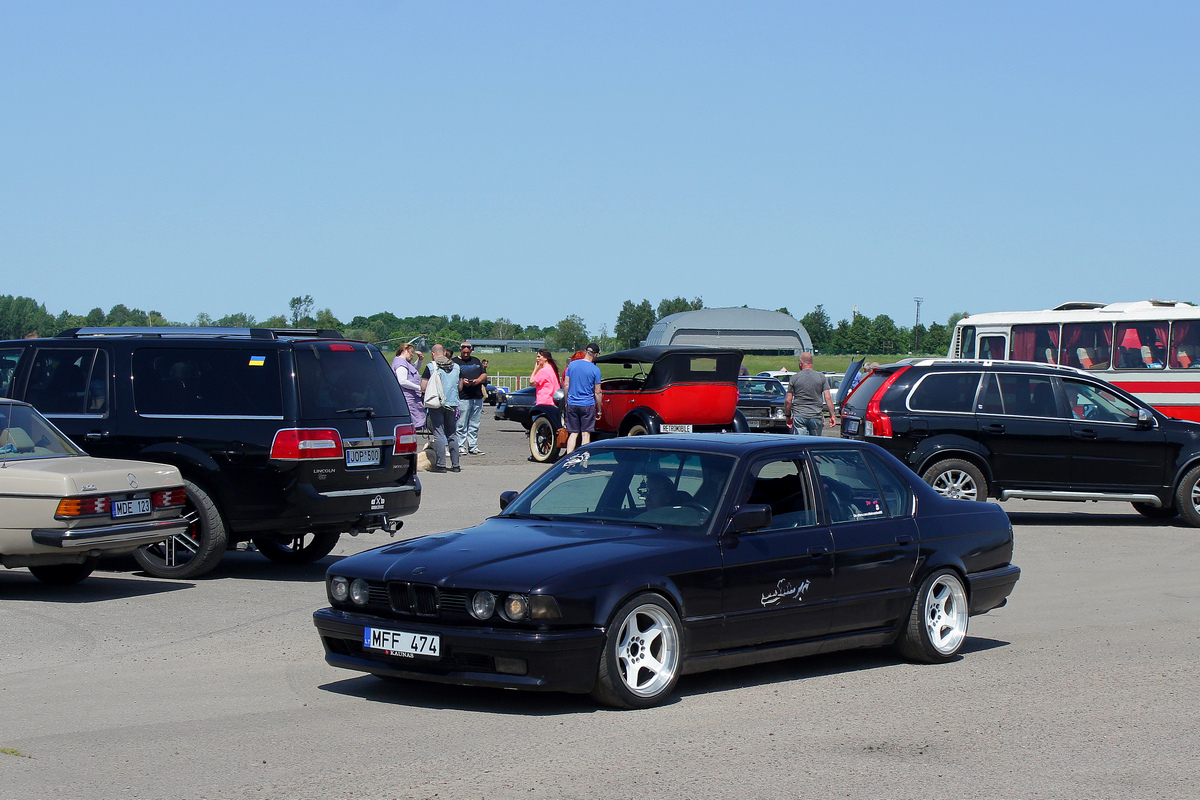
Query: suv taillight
<point x="295" y="444"/>
<point x="406" y="440"/>
<point x="875" y="422"/>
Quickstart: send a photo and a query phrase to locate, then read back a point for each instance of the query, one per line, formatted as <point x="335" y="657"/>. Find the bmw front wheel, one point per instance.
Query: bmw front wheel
<point x="639" y="666"/>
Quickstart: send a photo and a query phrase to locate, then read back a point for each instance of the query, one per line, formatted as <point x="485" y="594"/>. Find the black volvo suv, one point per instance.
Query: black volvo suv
<point x="978" y="429"/>
<point x="284" y="438"/>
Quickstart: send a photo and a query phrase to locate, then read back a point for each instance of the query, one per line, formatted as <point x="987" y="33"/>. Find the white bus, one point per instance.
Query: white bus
<point x="1150" y="348"/>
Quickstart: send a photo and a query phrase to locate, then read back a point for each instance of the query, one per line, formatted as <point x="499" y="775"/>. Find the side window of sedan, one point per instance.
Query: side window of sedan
<point x="784" y="486"/>
<point x="848" y="487"/>
<point x="897" y="494"/>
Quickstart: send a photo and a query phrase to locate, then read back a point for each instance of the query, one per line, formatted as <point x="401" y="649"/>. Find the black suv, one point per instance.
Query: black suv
<point x="284" y="438"/>
<point x="977" y="429"/>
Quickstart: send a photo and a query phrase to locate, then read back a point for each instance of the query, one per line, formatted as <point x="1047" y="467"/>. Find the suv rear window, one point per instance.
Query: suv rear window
<point x="856" y="403"/>
<point x="945" y="391"/>
<point x="336" y="376"/>
<point x="193" y="382"/>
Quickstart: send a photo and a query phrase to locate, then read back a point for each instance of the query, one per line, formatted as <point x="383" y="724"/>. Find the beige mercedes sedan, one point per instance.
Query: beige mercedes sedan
<point x="62" y="510"/>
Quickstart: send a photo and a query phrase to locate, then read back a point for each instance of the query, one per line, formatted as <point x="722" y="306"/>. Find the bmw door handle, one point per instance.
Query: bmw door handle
<point x="1086" y="433"/>
<point x="818" y="550"/>
<point x="905" y="538"/>
<point x="94" y="436"/>
<point x="996" y="428"/>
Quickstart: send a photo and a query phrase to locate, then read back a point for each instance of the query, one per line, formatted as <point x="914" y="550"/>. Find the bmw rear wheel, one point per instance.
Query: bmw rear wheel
<point x="639" y="665"/>
<point x="937" y="625"/>
<point x="957" y="479"/>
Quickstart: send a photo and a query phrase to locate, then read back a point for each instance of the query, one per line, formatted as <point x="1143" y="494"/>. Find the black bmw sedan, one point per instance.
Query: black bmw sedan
<point x="634" y="561"/>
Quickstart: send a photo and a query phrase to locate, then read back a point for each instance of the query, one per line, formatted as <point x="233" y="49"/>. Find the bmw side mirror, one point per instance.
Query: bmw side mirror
<point x="506" y="498"/>
<point x="749" y="517"/>
<point x="1145" y="420"/>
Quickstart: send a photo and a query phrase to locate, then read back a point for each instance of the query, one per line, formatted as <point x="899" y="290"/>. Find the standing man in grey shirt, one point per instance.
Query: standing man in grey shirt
<point x="802" y="406"/>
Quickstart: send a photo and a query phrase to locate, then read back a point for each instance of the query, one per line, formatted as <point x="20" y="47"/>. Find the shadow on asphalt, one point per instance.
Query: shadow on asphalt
<point x="420" y="694"/>
<point x="1092" y="519"/>
<point x="240" y="564"/>
<point x="20" y="584"/>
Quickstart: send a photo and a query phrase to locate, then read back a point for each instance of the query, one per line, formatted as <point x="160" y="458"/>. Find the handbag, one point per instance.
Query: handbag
<point x="561" y="437"/>
<point x="435" y="396"/>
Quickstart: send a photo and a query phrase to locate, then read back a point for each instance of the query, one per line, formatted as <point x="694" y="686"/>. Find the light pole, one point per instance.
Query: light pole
<point x="917" y="327"/>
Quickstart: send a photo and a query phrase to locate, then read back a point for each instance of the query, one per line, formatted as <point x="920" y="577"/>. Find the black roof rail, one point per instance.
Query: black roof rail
<point x="174" y="332"/>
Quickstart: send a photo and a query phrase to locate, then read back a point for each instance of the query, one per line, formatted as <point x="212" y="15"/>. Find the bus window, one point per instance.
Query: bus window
<point x="966" y="344"/>
<point x="1038" y="343"/>
<point x="992" y="348"/>
<point x="1141" y="345"/>
<point x="1087" y="345"/>
<point x="1185" y="345"/>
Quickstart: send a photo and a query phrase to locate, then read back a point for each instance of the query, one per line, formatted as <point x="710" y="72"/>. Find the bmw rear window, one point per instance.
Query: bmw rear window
<point x="856" y="403"/>
<point x="338" y="376"/>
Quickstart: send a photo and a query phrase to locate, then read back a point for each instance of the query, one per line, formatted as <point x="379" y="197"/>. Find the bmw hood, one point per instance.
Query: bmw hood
<point x="503" y="554"/>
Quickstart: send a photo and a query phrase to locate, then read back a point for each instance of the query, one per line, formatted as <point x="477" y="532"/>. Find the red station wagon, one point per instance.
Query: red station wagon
<point x="667" y="389"/>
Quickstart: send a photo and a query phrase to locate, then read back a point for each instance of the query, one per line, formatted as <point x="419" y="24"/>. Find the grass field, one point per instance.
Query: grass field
<point x="521" y="364"/>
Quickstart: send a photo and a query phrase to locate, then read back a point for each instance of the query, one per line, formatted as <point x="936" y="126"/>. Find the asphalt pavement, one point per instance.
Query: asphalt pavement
<point x="1086" y="684"/>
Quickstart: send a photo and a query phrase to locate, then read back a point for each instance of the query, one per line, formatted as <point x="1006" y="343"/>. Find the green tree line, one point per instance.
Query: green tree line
<point x="22" y="316"/>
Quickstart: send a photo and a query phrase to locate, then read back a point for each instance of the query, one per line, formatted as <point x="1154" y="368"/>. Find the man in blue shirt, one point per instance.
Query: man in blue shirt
<point x="582" y="382"/>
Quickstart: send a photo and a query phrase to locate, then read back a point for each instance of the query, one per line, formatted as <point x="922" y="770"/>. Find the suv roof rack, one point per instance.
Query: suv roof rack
<point x="171" y="332"/>
<point x="988" y="362"/>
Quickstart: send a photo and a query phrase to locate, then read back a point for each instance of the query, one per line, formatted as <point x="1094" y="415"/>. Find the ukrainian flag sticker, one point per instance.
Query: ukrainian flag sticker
<point x="257" y="361"/>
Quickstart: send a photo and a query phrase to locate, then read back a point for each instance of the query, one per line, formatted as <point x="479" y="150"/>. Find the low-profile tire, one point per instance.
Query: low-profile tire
<point x="543" y="444"/>
<point x="1187" y="497"/>
<point x="195" y="551"/>
<point x="302" y="548"/>
<point x="639" y="665"/>
<point x="64" y="574"/>
<point x="1155" y="512"/>
<point x="957" y="479"/>
<point x="937" y="624"/>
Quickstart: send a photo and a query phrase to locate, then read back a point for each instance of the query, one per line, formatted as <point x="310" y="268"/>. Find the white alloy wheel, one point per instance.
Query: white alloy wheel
<point x="945" y="614"/>
<point x="647" y="650"/>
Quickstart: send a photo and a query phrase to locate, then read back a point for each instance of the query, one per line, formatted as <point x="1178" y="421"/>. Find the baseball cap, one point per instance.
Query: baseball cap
<point x="593" y="347"/>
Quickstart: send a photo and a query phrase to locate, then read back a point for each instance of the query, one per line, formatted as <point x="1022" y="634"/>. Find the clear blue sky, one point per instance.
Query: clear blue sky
<point x="534" y="160"/>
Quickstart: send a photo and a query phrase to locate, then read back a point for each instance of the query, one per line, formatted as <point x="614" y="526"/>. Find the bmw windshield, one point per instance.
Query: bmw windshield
<point x="653" y="488"/>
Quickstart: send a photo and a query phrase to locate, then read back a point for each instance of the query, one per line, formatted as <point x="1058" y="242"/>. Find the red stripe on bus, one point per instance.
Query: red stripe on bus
<point x="1160" y="387"/>
<point x="1180" y="412"/>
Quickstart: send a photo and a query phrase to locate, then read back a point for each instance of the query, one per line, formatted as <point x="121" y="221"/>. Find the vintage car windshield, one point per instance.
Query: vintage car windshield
<point x="656" y="488"/>
<point x="24" y="433"/>
<point x="760" y="386"/>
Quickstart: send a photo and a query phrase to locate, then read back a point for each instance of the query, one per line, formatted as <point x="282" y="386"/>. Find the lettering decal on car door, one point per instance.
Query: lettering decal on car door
<point x="784" y="590"/>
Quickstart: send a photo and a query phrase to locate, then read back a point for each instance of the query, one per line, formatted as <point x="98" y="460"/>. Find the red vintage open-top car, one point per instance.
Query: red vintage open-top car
<point x="667" y="389"/>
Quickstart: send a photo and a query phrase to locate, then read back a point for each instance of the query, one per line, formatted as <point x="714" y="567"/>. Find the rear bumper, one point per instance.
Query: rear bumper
<point x="349" y="510"/>
<point x="126" y="536"/>
<point x="990" y="589"/>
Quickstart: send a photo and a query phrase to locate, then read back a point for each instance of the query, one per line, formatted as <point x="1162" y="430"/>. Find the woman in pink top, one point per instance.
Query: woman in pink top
<point x="545" y="378"/>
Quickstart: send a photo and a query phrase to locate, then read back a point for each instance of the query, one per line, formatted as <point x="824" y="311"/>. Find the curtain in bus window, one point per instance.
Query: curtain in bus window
<point x="1141" y="345"/>
<point x="1087" y="345"/>
<point x="1023" y="338"/>
<point x="1185" y="345"/>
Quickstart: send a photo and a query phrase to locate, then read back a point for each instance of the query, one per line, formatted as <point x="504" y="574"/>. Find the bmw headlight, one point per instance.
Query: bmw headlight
<point x="516" y="607"/>
<point x="483" y="605"/>
<point x="359" y="591"/>
<point x="339" y="589"/>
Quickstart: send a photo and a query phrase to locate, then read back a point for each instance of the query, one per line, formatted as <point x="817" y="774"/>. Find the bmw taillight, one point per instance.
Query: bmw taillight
<point x="875" y="422"/>
<point x="406" y="440"/>
<point x="297" y="444"/>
